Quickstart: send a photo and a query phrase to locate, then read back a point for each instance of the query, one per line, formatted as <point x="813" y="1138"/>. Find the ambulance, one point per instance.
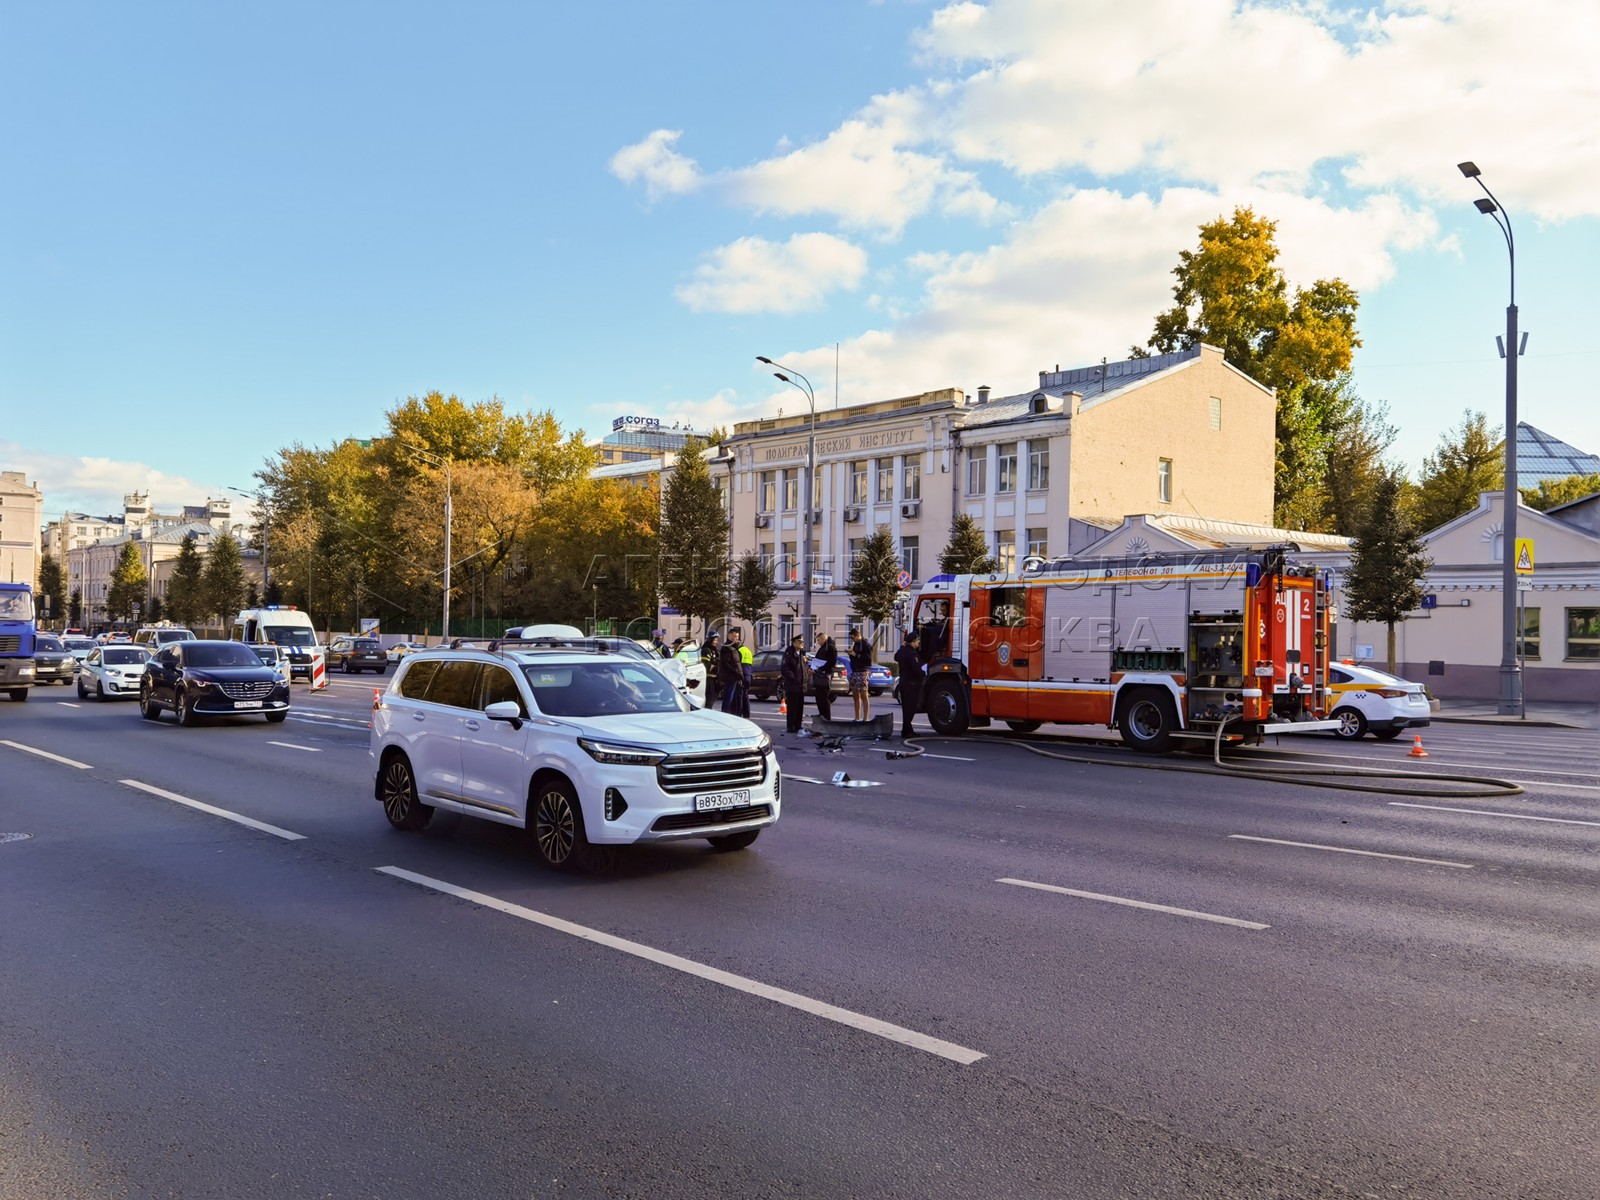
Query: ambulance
<point x="285" y="625"/>
<point x="1160" y="647"/>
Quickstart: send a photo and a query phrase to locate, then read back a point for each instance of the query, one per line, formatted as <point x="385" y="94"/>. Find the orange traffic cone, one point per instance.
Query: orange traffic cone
<point x="1416" y="748"/>
<point x="783" y="707"/>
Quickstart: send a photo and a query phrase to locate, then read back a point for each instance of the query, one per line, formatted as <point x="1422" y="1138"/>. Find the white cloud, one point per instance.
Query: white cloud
<point x="653" y="161"/>
<point x="754" y="275"/>
<point x="97" y="485"/>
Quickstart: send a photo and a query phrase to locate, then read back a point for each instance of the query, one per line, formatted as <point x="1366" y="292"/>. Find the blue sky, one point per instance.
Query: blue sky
<point x="227" y="228"/>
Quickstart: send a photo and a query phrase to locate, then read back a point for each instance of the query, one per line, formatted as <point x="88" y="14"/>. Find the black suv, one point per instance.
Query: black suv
<point x="200" y="678"/>
<point x="352" y="655"/>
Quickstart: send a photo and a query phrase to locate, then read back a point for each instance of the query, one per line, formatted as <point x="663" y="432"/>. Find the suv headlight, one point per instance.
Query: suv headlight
<point x="621" y="756"/>
<point x="764" y="746"/>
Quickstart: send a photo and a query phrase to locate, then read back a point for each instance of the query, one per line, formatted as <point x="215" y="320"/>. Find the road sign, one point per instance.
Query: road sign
<point x="1430" y="600"/>
<point x="1524" y="585"/>
<point x="1524" y="556"/>
<point x="903" y="580"/>
<point x="369" y="624"/>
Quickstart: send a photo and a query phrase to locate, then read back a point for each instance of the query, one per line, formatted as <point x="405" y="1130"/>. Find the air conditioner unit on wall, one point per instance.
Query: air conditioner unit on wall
<point x="910" y="508"/>
<point x="763" y="520"/>
<point x="852" y="514"/>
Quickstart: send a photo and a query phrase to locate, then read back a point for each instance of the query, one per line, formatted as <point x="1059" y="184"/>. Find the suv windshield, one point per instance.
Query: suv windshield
<point x="230" y="654"/>
<point x="48" y="644"/>
<point x="123" y="656"/>
<point x="601" y="689"/>
<point x="289" y="635"/>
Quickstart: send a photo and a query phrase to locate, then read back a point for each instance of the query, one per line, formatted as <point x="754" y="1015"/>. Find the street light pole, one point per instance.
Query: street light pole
<point x="1510" y="674"/>
<point x="806" y="499"/>
<point x="449" y="492"/>
<point x="261" y="507"/>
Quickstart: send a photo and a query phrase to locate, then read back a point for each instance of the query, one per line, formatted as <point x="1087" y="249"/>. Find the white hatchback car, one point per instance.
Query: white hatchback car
<point x="583" y="748"/>
<point x="1364" y="700"/>
<point x="112" y="672"/>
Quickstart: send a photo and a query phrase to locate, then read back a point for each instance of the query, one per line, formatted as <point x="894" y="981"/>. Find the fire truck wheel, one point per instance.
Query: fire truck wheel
<point x="947" y="709"/>
<point x="1023" y="726"/>
<point x="1148" y="721"/>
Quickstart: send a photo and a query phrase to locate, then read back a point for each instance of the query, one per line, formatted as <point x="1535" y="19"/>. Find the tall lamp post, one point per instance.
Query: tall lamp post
<point x="1510" y="350"/>
<point x="261" y="506"/>
<point x="808" y="493"/>
<point x="448" y="494"/>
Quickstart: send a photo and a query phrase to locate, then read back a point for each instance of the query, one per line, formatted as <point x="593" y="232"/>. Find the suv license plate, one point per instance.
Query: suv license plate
<point x="712" y="801"/>
<point x="247" y="704"/>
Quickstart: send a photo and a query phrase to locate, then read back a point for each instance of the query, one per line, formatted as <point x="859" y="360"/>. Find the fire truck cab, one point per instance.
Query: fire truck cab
<point x="1159" y="647"/>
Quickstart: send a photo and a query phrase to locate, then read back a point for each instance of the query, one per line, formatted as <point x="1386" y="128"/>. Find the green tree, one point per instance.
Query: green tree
<point x="1359" y="438"/>
<point x="75" y="608"/>
<point x="1469" y="459"/>
<point x="694" y="539"/>
<point x="128" y="580"/>
<point x="156" y="611"/>
<point x="754" y="588"/>
<point x="52" y="589"/>
<point x="965" y="552"/>
<point x="1231" y="294"/>
<point x="1387" y="562"/>
<point x="186" y="601"/>
<point x="873" y="585"/>
<point x="222" y="584"/>
<point x="1544" y="497"/>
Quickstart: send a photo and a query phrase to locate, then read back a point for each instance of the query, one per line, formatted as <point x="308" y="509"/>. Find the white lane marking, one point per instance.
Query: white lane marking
<point x="325" y="722"/>
<point x="1542" y="783"/>
<point x="285" y="834"/>
<point x="1164" y="908"/>
<point x="806" y="779"/>
<point x="924" y="754"/>
<point x="1435" y="862"/>
<point x="68" y="704"/>
<point x="66" y="762"/>
<point x="883" y="1029"/>
<point x="293" y="746"/>
<point x="1484" y="812"/>
<point x="1434" y="760"/>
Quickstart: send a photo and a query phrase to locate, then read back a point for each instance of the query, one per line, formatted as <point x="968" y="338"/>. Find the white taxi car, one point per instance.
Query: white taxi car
<point x="1364" y="700"/>
<point x="584" y="748"/>
<point x="112" y="672"/>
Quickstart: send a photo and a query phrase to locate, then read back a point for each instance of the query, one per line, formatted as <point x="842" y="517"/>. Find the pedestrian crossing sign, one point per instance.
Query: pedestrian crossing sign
<point x="1524" y="556"/>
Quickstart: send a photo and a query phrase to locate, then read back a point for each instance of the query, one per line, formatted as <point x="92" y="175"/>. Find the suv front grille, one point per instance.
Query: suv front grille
<point x="706" y="820"/>
<point x="246" y="691"/>
<point x="714" y="771"/>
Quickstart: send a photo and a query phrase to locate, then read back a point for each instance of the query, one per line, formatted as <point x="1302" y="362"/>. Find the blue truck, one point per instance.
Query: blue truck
<point x="17" y="631"/>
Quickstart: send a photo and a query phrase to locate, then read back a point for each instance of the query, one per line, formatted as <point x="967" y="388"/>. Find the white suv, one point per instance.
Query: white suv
<point x="583" y="748"/>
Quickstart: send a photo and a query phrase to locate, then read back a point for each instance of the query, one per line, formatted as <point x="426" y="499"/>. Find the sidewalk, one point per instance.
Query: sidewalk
<point x="1547" y="716"/>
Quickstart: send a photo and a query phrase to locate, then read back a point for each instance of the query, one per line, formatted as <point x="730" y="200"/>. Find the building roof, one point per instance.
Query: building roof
<point x="1203" y="533"/>
<point x="1541" y="456"/>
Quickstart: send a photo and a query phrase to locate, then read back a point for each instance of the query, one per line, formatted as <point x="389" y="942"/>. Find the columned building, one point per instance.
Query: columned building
<point x="1043" y="472"/>
<point x="21" y="505"/>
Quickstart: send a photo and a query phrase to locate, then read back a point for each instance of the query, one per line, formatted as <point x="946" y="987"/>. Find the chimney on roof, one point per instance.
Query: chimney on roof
<point x="983" y="393"/>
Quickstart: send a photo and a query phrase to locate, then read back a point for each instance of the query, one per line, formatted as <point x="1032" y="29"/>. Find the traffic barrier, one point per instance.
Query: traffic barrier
<point x="319" y="671"/>
<point x="1416" y="749"/>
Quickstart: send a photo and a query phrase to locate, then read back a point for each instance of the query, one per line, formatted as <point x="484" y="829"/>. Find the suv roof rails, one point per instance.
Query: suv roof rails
<point x="496" y="645"/>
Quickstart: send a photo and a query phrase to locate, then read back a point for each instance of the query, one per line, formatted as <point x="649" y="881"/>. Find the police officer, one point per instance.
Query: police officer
<point x="794" y="680"/>
<point x="909" y="659"/>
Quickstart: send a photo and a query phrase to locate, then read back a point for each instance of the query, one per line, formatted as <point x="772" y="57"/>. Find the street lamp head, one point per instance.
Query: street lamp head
<point x="782" y="376"/>
<point x="1486" y="206"/>
<point x="762" y="358"/>
<point x="1470" y="170"/>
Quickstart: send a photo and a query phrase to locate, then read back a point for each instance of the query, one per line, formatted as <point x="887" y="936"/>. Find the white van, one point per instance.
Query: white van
<point x="284" y="625"/>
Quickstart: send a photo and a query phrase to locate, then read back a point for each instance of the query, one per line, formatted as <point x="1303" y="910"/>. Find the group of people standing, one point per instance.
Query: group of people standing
<point x="729" y="665"/>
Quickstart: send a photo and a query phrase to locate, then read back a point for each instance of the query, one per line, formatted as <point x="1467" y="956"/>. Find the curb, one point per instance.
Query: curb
<point x="1523" y="722"/>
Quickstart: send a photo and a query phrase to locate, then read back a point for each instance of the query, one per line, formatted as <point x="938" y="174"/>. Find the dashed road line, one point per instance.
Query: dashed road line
<point x="1484" y="812"/>
<point x="1145" y="904"/>
<point x="66" y="762"/>
<point x="68" y="704"/>
<point x="818" y="1008"/>
<point x="294" y="746"/>
<point x="1434" y="862"/>
<point x="251" y="822"/>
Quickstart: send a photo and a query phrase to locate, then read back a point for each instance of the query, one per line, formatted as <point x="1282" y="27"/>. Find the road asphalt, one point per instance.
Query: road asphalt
<point x="986" y="972"/>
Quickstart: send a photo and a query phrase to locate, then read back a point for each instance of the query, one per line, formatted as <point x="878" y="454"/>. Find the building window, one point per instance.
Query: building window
<point x="1583" y="634"/>
<point x="912" y="489"/>
<point x="768" y="501"/>
<point x="1038" y="543"/>
<point x="1528" y="647"/>
<point x="910" y="555"/>
<point x="791" y="490"/>
<point x="1216" y="412"/>
<point x="885" y="480"/>
<point x="852" y="549"/>
<point x="858" y="482"/>
<point x="1005" y="549"/>
<point x="1038" y="466"/>
<point x="977" y="474"/>
<point x="816" y="492"/>
<point x="1497" y="548"/>
<point x="1164" y="481"/>
<point x="765" y="551"/>
<point x="788" y="564"/>
<point x="1005" y="471"/>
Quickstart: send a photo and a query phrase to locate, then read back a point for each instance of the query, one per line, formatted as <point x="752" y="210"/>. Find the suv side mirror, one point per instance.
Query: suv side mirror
<point x="505" y="710"/>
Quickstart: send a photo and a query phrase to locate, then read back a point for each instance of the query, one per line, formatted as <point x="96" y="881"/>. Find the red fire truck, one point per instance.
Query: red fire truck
<point x="1158" y="647"/>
